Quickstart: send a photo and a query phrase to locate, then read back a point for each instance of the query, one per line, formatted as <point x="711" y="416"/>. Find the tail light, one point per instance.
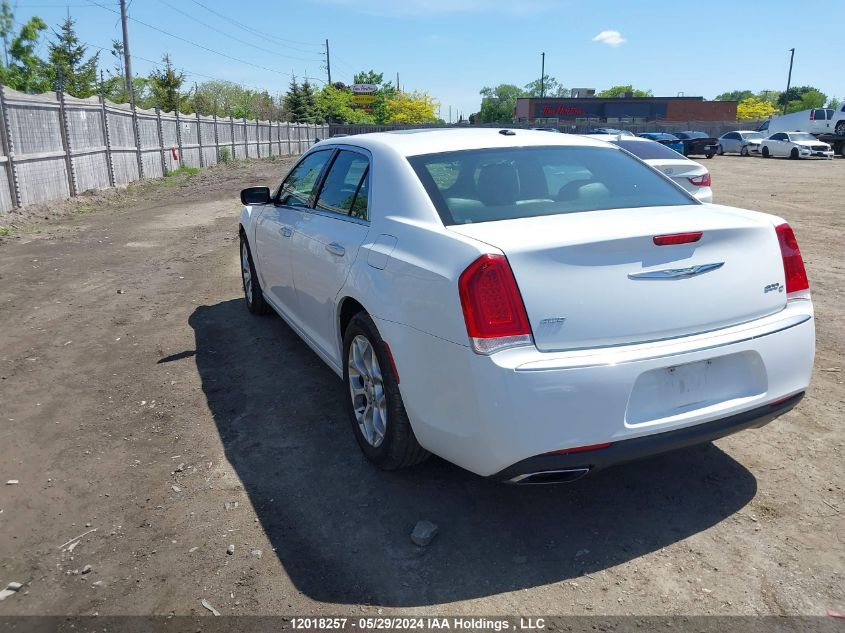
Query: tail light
<point x="701" y="181"/>
<point x="793" y="263"/>
<point x="493" y="310"/>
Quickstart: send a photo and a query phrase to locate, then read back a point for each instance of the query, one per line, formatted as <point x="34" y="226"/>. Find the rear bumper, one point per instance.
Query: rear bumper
<point x="571" y="466"/>
<point x="489" y="413"/>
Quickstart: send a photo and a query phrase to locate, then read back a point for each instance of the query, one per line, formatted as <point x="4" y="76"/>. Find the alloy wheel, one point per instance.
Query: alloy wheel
<point x="246" y="272"/>
<point x="366" y="386"/>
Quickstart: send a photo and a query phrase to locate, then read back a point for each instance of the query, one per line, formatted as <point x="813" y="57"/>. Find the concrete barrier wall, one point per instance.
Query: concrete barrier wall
<point x="53" y="146"/>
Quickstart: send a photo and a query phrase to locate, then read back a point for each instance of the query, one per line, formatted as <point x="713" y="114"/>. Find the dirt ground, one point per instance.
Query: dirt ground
<point x="143" y="406"/>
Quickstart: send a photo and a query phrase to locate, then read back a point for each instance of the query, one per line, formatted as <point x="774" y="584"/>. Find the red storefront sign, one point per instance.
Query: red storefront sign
<point x="561" y="110"/>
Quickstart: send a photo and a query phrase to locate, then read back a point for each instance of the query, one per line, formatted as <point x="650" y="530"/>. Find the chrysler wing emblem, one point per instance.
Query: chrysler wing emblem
<point x="676" y="273"/>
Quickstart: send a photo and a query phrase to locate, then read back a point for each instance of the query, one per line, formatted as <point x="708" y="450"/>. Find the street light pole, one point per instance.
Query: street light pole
<point x="788" y="80"/>
<point x="542" y="74"/>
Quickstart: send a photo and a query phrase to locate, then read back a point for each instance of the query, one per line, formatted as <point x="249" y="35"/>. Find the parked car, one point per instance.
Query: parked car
<point x="610" y="130"/>
<point x="814" y="121"/>
<point x="546" y="129"/>
<point x="795" y="145"/>
<point x="664" y="138"/>
<point x="698" y="143"/>
<point x="742" y="142"/>
<point x="692" y="176"/>
<point x="532" y="307"/>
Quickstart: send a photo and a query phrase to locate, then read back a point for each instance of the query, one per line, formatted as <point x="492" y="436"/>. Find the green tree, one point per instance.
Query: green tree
<point x="735" y="95"/>
<point x="498" y="103"/>
<point x="26" y="71"/>
<point x="309" y="102"/>
<point x="369" y="77"/>
<point x="620" y="91"/>
<point x="551" y="88"/>
<point x="294" y="103"/>
<point x="165" y="84"/>
<point x="834" y="103"/>
<point x="335" y="106"/>
<point x="7" y="22"/>
<point x="70" y="70"/>
<point x="801" y="98"/>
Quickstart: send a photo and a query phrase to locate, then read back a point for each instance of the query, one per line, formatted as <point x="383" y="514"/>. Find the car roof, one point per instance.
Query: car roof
<point x="431" y="141"/>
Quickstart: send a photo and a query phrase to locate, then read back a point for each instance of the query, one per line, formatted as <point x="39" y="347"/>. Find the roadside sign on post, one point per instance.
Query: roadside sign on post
<point x="362" y="100"/>
<point x="360" y="89"/>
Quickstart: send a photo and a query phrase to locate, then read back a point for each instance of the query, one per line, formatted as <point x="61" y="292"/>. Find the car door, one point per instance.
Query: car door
<point x="731" y="142"/>
<point x="326" y="243"/>
<point x="275" y="229"/>
<point x="778" y="144"/>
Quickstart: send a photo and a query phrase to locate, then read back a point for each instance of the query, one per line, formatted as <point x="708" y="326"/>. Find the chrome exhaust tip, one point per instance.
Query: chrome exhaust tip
<point x="563" y="476"/>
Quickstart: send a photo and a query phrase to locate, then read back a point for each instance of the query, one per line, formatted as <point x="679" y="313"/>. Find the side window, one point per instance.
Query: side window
<point x="299" y="185"/>
<point x="780" y="136"/>
<point x="342" y="191"/>
<point x="734" y="136"/>
<point x="359" y="206"/>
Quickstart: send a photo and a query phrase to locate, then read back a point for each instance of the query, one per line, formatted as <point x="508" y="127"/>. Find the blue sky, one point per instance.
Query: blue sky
<point x="452" y="48"/>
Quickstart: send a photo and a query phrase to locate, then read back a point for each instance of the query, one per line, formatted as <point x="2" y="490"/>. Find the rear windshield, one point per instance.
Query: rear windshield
<point x="752" y="135"/>
<point x="696" y="135"/>
<point x="648" y="149"/>
<point x="502" y="184"/>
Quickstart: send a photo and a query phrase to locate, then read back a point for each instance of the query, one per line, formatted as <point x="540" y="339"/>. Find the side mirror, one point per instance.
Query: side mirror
<point x="255" y="195"/>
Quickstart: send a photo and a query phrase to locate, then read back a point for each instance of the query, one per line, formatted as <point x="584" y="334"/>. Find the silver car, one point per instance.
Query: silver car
<point x="742" y="142"/>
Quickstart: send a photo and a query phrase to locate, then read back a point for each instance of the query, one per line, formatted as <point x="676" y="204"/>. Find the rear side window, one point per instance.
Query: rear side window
<point x="299" y="185"/>
<point x="648" y="150"/>
<point x="342" y="187"/>
<point x="502" y="184"/>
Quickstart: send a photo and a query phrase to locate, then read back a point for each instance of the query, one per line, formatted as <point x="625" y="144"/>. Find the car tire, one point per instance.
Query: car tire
<point x="765" y="152"/>
<point x="721" y="151"/>
<point x="744" y="151"/>
<point x="252" y="288"/>
<point x="794" y="153"/>
<point x="708" y="155"/>
<point x="368" y="374"/>
<point x="840" y="128"/>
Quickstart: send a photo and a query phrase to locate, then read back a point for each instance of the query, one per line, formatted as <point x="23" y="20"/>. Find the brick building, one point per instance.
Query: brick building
<point x="633" y="109"/>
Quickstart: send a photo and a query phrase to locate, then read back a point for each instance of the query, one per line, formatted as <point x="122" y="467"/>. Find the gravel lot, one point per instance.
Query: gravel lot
<point x="143" y="405"/>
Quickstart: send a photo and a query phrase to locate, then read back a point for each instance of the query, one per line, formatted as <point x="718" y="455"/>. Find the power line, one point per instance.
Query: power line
<point x="252" y="31"/>
<point x="222" y="32"/>
<point x="201" y="46"/>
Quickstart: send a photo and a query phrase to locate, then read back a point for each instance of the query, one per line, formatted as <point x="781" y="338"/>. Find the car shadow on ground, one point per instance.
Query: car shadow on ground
<point x="341" y="528"/>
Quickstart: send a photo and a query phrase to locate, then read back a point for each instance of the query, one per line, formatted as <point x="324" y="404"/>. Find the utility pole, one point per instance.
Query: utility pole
<point x="328" y="63"/>
<point x="397" y="81"/>
<point x="126" y="58"/>
<point x="788" y="80"/>
<point x="542" y="74"/>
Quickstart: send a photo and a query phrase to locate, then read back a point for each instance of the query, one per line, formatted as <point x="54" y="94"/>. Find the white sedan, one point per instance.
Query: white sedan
<point x="692" y="176"/>
<point x="795" y="145"/>
<point x="530" y="306"/>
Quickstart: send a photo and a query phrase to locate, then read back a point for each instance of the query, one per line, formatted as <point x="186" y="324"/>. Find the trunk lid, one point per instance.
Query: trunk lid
<point x="580" y="274"/>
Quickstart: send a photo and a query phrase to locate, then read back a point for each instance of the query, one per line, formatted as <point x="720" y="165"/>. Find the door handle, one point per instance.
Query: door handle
<point x="336" y="249"/>
<point x="286" y="231"/>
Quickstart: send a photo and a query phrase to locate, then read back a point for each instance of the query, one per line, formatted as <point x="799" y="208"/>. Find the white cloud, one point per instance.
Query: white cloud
<point x="611" y="38"/>
<point x="422" y="8"/>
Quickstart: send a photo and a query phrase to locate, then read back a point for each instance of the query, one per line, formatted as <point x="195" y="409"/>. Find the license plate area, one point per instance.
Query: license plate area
<point x="663" y="394"/>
